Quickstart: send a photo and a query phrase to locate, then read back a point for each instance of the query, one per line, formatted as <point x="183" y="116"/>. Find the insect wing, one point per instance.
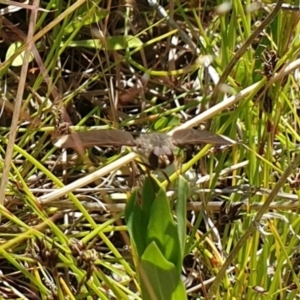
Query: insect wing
<point x="106" y="137"/>
<point x="195" y="137"/>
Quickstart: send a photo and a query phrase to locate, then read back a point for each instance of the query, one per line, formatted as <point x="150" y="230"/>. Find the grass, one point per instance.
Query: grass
<point x="70" y="220"/>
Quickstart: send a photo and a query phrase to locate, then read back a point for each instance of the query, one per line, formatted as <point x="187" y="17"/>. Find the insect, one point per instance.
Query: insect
<point x="158" y="148"/>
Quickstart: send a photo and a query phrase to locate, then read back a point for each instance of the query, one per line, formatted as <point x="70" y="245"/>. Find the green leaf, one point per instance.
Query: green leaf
<point x="136" y="223"/>
<point x="19" y="60"/>
<point x="137" y="213"/>
<point x="163" y="230"/>
<point x="159" y="277"/>
<point x="182" y="196"/>
<point x="150" y="189"/>
<point x="150" y="224"/>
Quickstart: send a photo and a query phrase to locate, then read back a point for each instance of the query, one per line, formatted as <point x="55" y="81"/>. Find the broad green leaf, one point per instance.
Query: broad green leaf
<point x="159" y="278"/>
<point x="136" y="223"/>
<point x="163" y="230"/>
<point x="112" y="43"/>
<point x="19" y="60"/>
<point x="150" y="190"/>
<point x="137" y="213"/>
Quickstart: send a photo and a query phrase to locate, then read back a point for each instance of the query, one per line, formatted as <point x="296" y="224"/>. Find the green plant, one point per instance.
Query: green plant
<point x="158" y="241"/>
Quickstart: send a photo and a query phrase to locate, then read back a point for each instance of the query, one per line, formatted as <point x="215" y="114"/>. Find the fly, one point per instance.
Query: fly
<point x="158" y="148"/>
